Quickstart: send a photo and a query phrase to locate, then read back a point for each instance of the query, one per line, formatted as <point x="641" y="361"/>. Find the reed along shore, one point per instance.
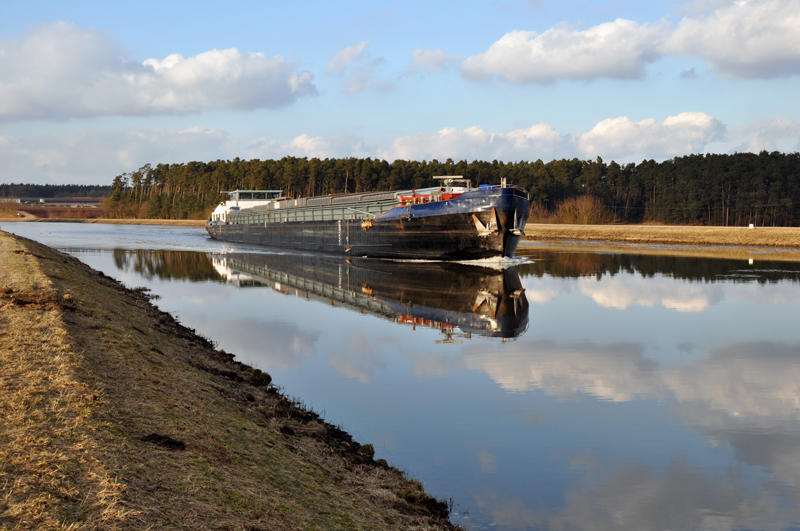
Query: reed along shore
<point x="115" y="416"/>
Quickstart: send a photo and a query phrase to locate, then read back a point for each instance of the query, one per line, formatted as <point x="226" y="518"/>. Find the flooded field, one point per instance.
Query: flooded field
<point x="578" y="390"/>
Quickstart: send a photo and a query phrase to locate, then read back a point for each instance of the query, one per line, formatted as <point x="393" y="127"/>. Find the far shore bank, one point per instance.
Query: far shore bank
<point x="166" y="222"/>
<point x="770" y="237"/>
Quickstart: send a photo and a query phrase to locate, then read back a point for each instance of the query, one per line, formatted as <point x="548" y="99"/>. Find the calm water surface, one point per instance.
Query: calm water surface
<point x="579" y="391"/>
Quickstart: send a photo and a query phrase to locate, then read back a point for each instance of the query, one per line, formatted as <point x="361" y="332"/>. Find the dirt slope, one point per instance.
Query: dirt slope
<point x="115" y="416"/>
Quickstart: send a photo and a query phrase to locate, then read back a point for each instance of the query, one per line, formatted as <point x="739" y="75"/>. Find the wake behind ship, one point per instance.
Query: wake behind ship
<point x="449" y="222"/>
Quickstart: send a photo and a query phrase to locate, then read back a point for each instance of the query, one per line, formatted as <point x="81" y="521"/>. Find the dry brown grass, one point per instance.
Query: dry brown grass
<point x="659" y="234"/>
<point x="8" y="208"/>
<point x="48" y="470"/>
<point x="88" y="368"/>
<point x="584" y="210"/>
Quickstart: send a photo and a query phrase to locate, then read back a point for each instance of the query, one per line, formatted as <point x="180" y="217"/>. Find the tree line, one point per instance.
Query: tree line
<point x="734" y="190"/>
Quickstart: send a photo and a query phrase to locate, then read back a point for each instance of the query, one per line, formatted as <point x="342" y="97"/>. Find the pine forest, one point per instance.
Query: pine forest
<point x="732" y="190"/>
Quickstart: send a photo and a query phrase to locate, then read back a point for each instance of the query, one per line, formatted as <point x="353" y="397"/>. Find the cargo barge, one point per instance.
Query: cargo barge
<point x="452" y="221"/>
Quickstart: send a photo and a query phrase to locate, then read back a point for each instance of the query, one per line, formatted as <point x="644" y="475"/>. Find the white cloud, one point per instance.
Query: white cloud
<point x="88" y="157"/>
<point x="684" y="494"/>
<point x="357" y="67"/>
<point x="685" y="133"/>
<point x="96" y="156"/>
<point x="738" y="38"/>
<point x="618" y="49"/>
<point x="734" y="386"/>
<point x="538" y="141"/>
<point x="432" y="60"/>
<point x="509" y="513"/>
<point x="745" y="39"/>
<point x="289" y="345"/>
<point x="343" y="59"/>
<point x="617" y="138"/>
<point x="487" y="462"/>
<point x="700" y="6"/>
<point x="617" y="373"/>
<point x="359" y="360"/>
<point x="782" y="292"/>
<point x="433" y="365"/>
<point x="754" y="383"/>
<point x="768" y="135"/>
<point x="62" y="71"/>
<point x="541" y="295"/>
<point x="623" y="291"/>
<point x="307" y="146"/>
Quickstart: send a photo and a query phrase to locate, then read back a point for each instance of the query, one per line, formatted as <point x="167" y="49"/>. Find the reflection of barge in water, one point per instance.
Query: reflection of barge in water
<point x="449" y="222"/>
<point x="445" y="296"/>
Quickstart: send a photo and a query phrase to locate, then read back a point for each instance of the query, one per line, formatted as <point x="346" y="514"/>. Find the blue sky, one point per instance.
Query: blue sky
<point x="90" y="90"/>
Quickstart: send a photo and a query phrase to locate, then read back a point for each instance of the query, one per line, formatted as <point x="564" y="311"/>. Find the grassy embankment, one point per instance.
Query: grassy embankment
<point x="115" y="416"/>
<point x="773" y="243"/>
<point x="9" y="212"/>
<point x="668" y="234"/>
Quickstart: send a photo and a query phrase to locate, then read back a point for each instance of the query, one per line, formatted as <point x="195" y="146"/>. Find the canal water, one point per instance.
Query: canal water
<point x="569" y="391"/>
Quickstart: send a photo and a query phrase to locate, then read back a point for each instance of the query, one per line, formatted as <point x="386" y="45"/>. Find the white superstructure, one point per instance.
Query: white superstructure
<point x="243" y="199"/>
